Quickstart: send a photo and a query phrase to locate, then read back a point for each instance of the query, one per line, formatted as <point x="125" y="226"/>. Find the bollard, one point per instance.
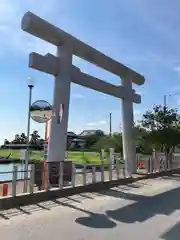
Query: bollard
<point x="102" y="155"/>
<point x="110" y="163"/>
<point x="110" y="172"/>
<point x="158" y="163"/>
<point x="47" y="176"/>
<point x="137" y="161"/>
<point x="165" y="163"/>
<point x="168" y="162"/>
<point x="117" y="169"/>
<point x="14" y="180"/>
<point x="61" y="173"/>
<point x="154" y="161"/>
<point x="151" y="164"/>
<point x="93" y="174"/>
<point x="102" y="171"/>
<point x="148" y="165"/>
<point x="111" y="157"/>
<point x="32" y="178"/>
<point x="73" y="177"/>
<point x="124" y="172"/>
<point x="3" y="189"/>
<point x="84" y="175"/>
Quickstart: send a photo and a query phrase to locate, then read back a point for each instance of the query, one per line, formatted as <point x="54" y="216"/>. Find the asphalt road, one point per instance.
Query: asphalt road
<point x="145" y="210"/>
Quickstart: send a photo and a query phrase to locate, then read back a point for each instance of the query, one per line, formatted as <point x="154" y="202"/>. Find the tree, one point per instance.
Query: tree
<point x="106" y="142"/>
<point x="163" y="125"/>
<point x="17" y="139"/>
<point x="91" y="137"/>
<point x="23" y="138"/>
<point x="34" y="137"/>
<point x="143" y="145"/>
<point x="20" y="141"/>
<point x="6" y="141"/>
<point x="117" y="141"/>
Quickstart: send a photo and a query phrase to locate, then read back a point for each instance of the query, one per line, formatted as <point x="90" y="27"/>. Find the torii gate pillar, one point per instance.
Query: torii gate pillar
<point x="61" y="96"/>
<point x="129" y="150"/>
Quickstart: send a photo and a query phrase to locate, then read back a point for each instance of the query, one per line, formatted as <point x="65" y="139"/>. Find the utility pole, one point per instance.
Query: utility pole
<point x="169" y="95"/>
<point x="110" y="124"/>
<point x="165" y="100"/>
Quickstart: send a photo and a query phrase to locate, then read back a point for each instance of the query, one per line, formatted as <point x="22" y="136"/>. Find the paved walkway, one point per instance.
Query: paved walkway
<point x="147" y="209"/>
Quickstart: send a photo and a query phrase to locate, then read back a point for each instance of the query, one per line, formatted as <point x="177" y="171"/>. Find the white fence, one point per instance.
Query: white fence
<point x="113" y="169"/>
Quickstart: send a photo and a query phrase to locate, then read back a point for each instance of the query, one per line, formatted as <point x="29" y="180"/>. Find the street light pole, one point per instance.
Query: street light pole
<point x="30" y="86"/>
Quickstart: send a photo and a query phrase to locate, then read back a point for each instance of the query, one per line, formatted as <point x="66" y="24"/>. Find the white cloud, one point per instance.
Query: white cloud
<point x="102" y="122"/>
<point x="137" y="112"/>
<point x="78" y="96"/>
<point x="140" y="93"/>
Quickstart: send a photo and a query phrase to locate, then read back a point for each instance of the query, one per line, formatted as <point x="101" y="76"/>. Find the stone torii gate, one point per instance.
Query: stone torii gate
<point x="61" y="67"/>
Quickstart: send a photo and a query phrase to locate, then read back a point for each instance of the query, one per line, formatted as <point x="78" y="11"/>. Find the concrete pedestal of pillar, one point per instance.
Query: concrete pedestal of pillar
<point x="54" y="172"/>
<point x="129" y="150"/>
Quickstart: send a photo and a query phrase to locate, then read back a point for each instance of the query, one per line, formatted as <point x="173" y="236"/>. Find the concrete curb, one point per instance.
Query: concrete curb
<point x="27" y="199"/>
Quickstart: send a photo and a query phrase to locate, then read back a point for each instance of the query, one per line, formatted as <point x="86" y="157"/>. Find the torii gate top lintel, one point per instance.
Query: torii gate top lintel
<point x="54" y="35"/>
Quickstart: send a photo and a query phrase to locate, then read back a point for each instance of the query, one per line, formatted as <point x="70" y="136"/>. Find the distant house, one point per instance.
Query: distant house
<point x="91" y="133"/>
<point x="77" y="142"/>
<point x="74" y="142"/>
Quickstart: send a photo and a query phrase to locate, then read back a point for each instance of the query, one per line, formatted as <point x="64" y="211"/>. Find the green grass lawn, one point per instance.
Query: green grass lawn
<point x="76" y="157"/>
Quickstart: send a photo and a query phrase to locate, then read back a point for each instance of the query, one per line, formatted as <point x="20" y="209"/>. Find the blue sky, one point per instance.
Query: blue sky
<point x="142" y="34"/>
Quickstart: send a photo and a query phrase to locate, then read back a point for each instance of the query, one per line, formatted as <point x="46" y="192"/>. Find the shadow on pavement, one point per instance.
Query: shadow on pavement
<point x="94" y="220"/>
<point x="144" y="208"/>
<point x="173" y="233"/>
<point x="48" y="205"/>
<point x="147" y="207"/>
<point x="124" y="195"/>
